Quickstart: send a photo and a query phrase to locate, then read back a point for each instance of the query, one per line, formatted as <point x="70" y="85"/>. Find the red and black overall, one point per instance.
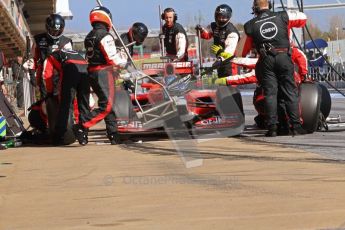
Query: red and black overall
<point x="73" y="82"/>
<point x="102" y="58"/>
<point x="45" y="45"/>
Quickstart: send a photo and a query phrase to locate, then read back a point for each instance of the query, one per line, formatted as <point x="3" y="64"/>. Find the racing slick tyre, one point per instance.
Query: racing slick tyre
<point x="310" y="102"/>
<point x="229" y="100"/>
<point x="52" y="106"/>
<point x="123" y="105"/>
<point x="69" y="137"/>
<point x="326" y="101"/>
<point x="36" y="121"/>
<point x="229" y="105"/>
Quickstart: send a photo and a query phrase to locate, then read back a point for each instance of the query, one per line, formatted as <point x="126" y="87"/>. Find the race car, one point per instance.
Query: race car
<point x="165" y="90"/>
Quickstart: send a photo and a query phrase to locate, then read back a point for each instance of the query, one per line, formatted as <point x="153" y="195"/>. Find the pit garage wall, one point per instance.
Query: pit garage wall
<point x="13" y="29"/>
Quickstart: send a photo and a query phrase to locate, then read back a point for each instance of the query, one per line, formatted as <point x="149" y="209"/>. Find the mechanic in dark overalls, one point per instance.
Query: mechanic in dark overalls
<point x="102" y="57"/>
<point x="268" y="33"/>
<point x="46" y="43"/>
<point x="73" y="82"/>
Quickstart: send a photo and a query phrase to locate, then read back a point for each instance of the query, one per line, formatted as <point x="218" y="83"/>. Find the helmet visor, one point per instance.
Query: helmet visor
<point x="222" y="19"/>
<point x="54" y="32"/>
<point x="139" y="38"/>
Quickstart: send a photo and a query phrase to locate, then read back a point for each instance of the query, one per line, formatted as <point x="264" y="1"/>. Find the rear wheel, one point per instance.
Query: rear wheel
<point x="326" y="101"/>
<point x="310" y="102"/>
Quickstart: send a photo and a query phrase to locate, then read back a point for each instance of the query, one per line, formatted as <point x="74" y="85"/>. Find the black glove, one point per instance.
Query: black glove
<point x="129" y="85"/>
<point x="199" y="28"/>
<point x="218" y="63"/>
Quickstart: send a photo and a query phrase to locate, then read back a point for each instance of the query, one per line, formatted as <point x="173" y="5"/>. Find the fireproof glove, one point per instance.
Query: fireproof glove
<point x="216" y="49"/>
<point x="218" y="63"/>
<point x="221" y="81"/>
<point x="225" y="55"/>
<point x="118" y="82"/>
<point x="219" y="51"/>
<point x="211" y="80"/>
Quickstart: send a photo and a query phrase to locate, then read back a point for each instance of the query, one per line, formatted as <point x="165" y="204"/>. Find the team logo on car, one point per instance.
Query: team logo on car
<point x="268" y="30"/>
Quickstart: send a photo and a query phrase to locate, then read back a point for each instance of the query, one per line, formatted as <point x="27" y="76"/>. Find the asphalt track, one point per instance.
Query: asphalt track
<point x="246" y="182"/>
<point x="329" y="144"/>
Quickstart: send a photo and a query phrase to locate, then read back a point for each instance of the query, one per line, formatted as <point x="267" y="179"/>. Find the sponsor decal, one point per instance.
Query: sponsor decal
<point x="222" y="10"/>
<point x="132" y="124"/>
<point x="212" y="121"/>
<point x="268" y="30"/>
<point x="161" y="65"/>
<point x="219" y="120"/>
<point x="180" y="84"/>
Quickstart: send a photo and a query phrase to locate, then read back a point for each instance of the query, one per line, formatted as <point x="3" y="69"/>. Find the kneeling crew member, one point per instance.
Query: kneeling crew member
<point x="73" y="81"/>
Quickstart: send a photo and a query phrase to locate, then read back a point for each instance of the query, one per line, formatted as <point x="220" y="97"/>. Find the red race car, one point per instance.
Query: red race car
<point x="166" y="90"/>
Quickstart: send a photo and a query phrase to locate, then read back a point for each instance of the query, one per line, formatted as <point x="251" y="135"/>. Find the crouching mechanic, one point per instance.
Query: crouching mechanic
<point x="249" y="77"/>
<point x="73" y="81"/>
<point x="225" y="36"/>
<point x="135" y="36"/>
<point x="102" y="57"/>
<point x="297" y="56"/>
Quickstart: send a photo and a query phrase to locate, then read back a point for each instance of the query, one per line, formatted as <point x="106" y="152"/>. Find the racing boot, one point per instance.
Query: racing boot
<point x="81" y="134"/>
<point x="283" y="129"/>
<point x="57" y="140"/>
<point x="298" y="130"/>
<point x="272" y="131"/>
<point x="114" y="138"/>
<point x="260" y="121"/>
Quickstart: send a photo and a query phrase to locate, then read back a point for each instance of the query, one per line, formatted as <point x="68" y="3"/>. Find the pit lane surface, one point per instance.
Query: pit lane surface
<point x="245" y="183"/>
<point x="329" y="144"/>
